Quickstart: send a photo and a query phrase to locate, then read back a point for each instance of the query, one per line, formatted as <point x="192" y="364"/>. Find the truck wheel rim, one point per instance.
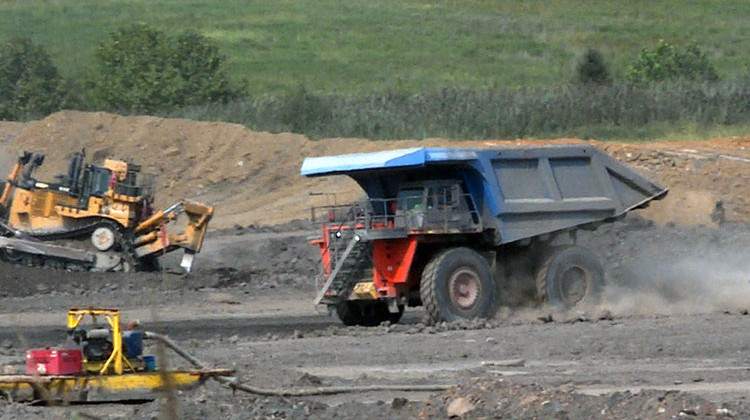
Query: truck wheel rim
<point x="573" y="285"/>
<point x="465" y="288"/>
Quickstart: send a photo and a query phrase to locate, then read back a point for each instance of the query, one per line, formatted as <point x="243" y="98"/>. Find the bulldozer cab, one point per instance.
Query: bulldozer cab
<point x="96" y="182"/>
<point x="119" y="179"/>
<point x="116" y="178"/>
<point x="86" y="180"/>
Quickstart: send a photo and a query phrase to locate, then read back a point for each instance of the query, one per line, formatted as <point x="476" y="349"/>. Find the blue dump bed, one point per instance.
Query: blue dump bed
<point x="520" y="192"/>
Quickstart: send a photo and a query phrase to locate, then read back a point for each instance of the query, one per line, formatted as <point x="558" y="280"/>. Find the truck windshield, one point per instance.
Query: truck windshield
<point x="410" y="199"/>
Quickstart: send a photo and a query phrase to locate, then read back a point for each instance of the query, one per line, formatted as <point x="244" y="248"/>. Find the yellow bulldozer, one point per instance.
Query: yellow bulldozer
<point x="94" y="218"/>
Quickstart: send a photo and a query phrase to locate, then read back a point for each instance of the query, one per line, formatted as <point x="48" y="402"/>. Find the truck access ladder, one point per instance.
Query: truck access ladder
<point x="350" y="261"/>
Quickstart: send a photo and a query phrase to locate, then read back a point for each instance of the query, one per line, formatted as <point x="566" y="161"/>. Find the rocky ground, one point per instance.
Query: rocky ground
<point x="669" y="341"/>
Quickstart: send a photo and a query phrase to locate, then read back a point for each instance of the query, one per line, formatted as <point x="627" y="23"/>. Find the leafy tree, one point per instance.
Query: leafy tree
<point x="142" y="69"/>
<point x="30" y="84"/>
<point x="666" y="61"/>
<point x="591" y="68"/>
<point x="199" y="66"/>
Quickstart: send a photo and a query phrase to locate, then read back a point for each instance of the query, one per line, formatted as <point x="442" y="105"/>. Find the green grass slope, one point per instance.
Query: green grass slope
<point x="358" y="46"/>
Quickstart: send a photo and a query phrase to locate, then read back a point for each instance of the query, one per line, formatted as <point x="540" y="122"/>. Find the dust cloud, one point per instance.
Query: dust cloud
<point x="680" y="270"/>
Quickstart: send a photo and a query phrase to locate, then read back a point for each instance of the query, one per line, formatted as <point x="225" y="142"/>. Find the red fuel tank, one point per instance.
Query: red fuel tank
<point x="54" y="361"/>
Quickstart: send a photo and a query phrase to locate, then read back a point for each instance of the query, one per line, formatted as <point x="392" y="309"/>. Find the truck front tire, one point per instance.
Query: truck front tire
<point x="367" y="313"/>
<point x="569" y="276"/>
<point x="457" y="283"/>
<point x="349" y="312"/>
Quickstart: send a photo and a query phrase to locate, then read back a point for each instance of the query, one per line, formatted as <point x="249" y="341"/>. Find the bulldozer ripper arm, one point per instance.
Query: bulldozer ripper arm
<point x="152" y="237"/>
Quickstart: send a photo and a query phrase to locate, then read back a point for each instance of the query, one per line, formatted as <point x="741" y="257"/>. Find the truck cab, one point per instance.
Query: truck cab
<point x="435" y="206"/>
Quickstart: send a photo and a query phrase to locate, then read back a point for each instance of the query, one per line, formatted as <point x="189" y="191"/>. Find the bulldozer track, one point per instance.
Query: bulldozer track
<point x="127" y="250"/>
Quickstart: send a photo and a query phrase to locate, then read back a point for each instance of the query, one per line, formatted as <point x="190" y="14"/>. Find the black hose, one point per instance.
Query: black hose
<point x="329" y="390"/>
<point x="177" y="349"/>
<point x="290" y="392"/>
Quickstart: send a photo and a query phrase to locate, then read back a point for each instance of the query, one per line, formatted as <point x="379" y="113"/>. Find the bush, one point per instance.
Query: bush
<point x="665" y="61"/>
<point x="305" y="112"/>
<point x="30" y="84"/>
<point x="614" y="110"/>
<point x="591" y="68"/>
<point x="142" y="69"/>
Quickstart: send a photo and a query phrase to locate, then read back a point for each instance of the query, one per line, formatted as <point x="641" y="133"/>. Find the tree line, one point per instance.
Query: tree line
<point x="139" y="69"/>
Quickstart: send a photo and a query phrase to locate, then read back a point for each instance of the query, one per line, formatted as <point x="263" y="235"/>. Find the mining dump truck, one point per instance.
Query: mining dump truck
<point x="450" y="228"/>
<point x="94" y="218"/>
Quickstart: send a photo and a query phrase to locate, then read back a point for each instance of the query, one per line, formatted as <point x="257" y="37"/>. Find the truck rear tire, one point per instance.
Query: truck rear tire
<point x="457" y="283"/>
<point x="569" y="276"/>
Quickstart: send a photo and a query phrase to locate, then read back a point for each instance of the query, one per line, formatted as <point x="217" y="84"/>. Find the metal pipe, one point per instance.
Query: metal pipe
<point x="147" y="238"/>
<point x="159" y="216"/>
<point x="153" y="220"/>
<point x="173" y="207"/>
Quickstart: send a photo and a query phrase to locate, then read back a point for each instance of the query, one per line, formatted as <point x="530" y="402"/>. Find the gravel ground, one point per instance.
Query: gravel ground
<point x="669" y="342"/>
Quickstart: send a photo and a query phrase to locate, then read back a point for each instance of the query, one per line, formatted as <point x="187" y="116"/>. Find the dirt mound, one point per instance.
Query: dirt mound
<point x="253" y="178"/>
<point x="501" y="399"/>
<point x="708" y="181"/>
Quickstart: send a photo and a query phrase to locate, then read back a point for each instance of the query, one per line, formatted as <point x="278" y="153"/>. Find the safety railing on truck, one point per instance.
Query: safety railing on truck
<point x="387" y="217"/>
<point x="337" y="213"/>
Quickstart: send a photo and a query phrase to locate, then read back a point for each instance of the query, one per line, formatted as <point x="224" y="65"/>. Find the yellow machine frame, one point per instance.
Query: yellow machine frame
<point x="111" y="382"/>
<point x="116" y="359"/>
<point x="39" y="207"/>
<point x="44" y="208"/>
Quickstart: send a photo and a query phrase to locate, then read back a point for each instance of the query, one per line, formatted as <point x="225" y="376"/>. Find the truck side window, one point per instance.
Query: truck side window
<point x="445" y="198"/>
<point x="448" y="197"/>
<point x="410" y="199"/>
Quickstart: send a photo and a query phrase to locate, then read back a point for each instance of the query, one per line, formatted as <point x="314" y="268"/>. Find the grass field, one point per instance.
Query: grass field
<point x="359" y="46"/>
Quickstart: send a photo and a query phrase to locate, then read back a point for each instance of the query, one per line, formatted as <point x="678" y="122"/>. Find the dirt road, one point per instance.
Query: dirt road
<point x="258" y="318"/>
<point x="281" y="345"/>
